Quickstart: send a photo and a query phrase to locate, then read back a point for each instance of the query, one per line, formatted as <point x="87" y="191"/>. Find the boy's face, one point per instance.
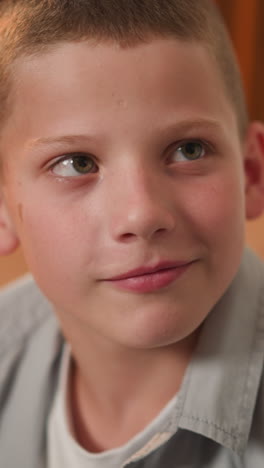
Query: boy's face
<point x="118" y="159"/>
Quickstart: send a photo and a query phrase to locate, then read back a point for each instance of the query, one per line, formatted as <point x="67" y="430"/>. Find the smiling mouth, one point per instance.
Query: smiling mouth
<point x="149" y="280"/>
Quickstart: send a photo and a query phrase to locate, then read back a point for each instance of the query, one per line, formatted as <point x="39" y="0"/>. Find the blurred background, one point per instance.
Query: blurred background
<point x="245" y="19"/>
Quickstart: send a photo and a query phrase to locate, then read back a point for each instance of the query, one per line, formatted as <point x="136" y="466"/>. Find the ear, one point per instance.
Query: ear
<point x="8" y="238"/>
<point x="254" y="170"/>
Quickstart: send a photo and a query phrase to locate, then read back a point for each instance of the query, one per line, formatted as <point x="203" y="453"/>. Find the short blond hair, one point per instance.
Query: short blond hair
<point x="31" y="26"/>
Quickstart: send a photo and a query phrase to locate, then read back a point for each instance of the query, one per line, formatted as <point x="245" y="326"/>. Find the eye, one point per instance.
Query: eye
<point x="74" y="165"/>
<point x="190" y="151"/>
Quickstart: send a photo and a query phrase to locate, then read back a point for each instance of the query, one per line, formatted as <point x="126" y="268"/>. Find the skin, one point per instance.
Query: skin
<point x="144" y="202"/>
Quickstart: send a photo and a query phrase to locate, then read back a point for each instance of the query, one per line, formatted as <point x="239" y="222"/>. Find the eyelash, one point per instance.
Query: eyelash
<point x="73" y="157"/>
<point x="206" y="147"/>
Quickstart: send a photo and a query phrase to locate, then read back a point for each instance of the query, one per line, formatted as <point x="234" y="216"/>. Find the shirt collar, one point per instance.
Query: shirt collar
<point x="218" y="394"/>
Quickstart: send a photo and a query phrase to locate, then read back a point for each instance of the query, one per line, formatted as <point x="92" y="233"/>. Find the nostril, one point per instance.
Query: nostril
<point x="128" y="236"/>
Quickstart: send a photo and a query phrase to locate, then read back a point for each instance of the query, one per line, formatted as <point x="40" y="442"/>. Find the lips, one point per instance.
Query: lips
<point x="148" y="270"/>
<point x="150" y="279"/>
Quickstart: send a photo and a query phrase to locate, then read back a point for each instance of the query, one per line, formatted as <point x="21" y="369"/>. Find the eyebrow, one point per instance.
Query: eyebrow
<point x="182" y="126"/>
<point x="63" y="139"/>
<point x="197" y="124"/>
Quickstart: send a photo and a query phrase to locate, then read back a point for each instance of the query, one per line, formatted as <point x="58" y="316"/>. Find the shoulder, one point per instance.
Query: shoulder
<point x="253" y="265"/>
<point x="23" y="310"/>
<point x="30" y="351"/>
<point x="254" y="276"/>
<point x="248" y="285"/>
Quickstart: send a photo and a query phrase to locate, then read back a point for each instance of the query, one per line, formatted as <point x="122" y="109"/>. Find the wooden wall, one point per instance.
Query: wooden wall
<point x="245" y="20"/>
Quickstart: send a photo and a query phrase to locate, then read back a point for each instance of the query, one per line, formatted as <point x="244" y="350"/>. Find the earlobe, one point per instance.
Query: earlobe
<point x="254" y="170"/>
<point x="8" y="238"/>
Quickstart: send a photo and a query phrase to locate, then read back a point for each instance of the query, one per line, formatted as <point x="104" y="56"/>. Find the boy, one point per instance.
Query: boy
<point x="127" y="169"/>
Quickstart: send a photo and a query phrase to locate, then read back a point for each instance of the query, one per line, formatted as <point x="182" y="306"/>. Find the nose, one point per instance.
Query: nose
<point x="142" y="206"/>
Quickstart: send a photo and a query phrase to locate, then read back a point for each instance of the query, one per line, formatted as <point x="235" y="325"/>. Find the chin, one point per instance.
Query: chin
<point x="160" y="333"/>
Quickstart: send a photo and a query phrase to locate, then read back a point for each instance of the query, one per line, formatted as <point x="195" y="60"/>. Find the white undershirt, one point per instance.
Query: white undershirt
<point x="65" y="452"/>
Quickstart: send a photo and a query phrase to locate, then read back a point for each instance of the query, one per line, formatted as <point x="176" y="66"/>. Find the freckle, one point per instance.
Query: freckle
<point x="20" y="212"/>
<point x="122" y="103"/>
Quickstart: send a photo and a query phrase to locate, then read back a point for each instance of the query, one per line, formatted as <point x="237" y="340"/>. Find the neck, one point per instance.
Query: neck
<point x="113" y="387"/>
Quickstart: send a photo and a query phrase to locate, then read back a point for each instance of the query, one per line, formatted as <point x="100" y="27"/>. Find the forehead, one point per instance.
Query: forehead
<point x="105" y="65"/>
<point x="76" y="86"/>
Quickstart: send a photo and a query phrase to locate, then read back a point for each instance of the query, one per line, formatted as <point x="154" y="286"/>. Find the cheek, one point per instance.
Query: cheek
<point x="217" y="206"/>
<point x="58" y="243"/>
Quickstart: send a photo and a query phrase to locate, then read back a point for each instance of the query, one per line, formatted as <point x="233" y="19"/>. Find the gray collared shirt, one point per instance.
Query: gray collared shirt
<point x="218" y="421"/>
